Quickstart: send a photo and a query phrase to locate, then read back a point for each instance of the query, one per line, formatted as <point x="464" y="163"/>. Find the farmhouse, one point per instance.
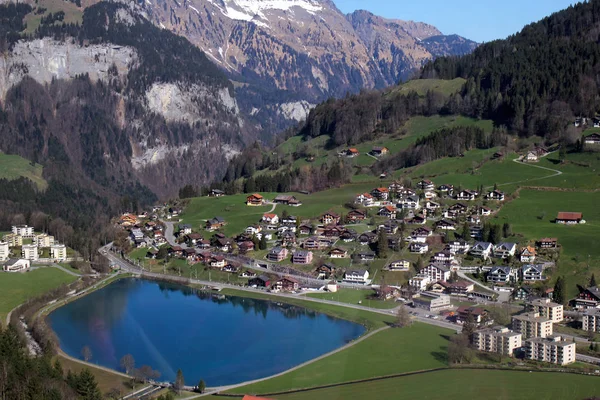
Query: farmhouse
<point x="378" y="151"/>
<point x="329" y="218"/>
<point x="352" y="152"/>
<point x="16" y="265"/>
<point x="287" y="200"/>
<point x="356" y="215"/>
<point x="547" y="243"/>
<point x="569" y="218"/>
<point x="255" y="200"/>
<point x="216" y="193"/>
<point x="357" y="276"/>
<point x="531" y="156"/>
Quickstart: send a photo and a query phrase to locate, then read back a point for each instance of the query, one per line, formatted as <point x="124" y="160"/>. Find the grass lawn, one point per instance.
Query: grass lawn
<point x="106" y="380"/>
<point x="16" y="288"/>
<point x="391" y="351"/>
<point x="354" y="296"/>
<point x="72" y="13"/>
<point x="531" y="214"/>
<point x="422" y="86"/>
<point x="13" y="166"/>
<point x="464" y="384"/>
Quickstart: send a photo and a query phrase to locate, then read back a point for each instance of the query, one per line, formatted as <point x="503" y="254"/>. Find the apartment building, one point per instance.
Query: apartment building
<point x="498" y="339"/>
<point x="591" y="320"/>
<point x="23" y="230"/>
<point x="4" y="251"/>
<point x="532" y="325"/>
<point x="547" y="308"/>
<point x="552" y="349"/>
<point x="58" y="252"/>
<point x="13" y="240"/>
<point x="30" y="252"/>
<point x="43" y="240"/>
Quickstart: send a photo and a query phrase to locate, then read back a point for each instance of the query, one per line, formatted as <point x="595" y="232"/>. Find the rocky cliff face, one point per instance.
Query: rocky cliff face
<point x="288" y="51"/>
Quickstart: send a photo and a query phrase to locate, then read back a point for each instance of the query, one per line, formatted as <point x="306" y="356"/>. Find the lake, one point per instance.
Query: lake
<point x="223" y="340"/>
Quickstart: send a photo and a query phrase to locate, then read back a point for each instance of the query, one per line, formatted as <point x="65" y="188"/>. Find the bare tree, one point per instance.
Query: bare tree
<point x="127" y="363"/>
<point x="179" y="382"/>
<point x="458" y="350"/>
<point x="403" y="317"/>
<point x="86" y="353"/>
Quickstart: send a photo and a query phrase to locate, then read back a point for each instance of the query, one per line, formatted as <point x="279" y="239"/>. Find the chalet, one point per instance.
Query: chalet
<point x="404" y="193"/>
<point x="349" y="235"/>
<point x="388" y="212"/>
<point x="287" y="200"/>
<point x="417" y="220"/>
<point x="286" y="285"/>
<point x="476" y="314"/>
<point x="215" y="223"/>
<point x="380" y="193"/>
<point x="432" y="206"/>
<point x="436" y="272"/>
<point x="367" y="238"/>
<point x="193" y="238"/>
<point x="223" y="244"/>
<point x="466" y="194"/>
<point x="420" y="234"/>
<point x="444" y="257"/>
<point x="588" y="297"/>
<point x="389" y="227"/>
<point x="325" y="271"/>
<point x="232" y="269"/>
<point x="495" y="195"/>
<point x="378" y="151"/>
<point x="352" y="152"/>
<point x="311" y="243"/>
<point x="246" y="246"/>
<point x="289" y="220"/>
<point x="338" y="252"/>
<point x="366" y="256"/>
<point x="501" y="274"/>
<point x="150" y="225"/>
<point x="458" y="247"/>
<point x="357" y="276"/>
<point x="329" y="218"/>
<point x="185" y="229"/>
<point x="481" y="250"/>
<point x="248" y="274"/>
<point x="302" y="257"/>
<point x="288" y="238"/>
<point x="446" y="189"/>
<point x="203" y="244"/>
<point x="531" y="156"/>
<point x="217" y="262"/>
<point x="522" y="293"/>
<point x="474" y="219"/>
<point x="505" y="250"/>
<point x="305" y="229"/>
<point x="356" y="215"/>
<point x="175" y="251"/>
<point x="255" y="200"/>
<point x="216" y="193"/>
<point x="594" y="138"/>
<point x="253" y="230"/>
<point x="547" y="243"/>
<point x="532" y="272"/>
<point x="395" y="187"/>
<point x="445" y="225"/>
<point x="259" y="281"/>
<point x="277" y="254"/>
<point x="409" y="203"/>
<point x="425" y="184"/>
<point x="483" y="211"/>
<point x="366" y="199"/>
<point x="596" y="122"/>
<point x="419" y="248"/>
<point x="460" y="288"/>
<point x="429" y="194"/>
<point x="527" y="255"/>
<point x="399" y="265"/>
<point x="458" y="209"/>
<point x="270" y="218"/>
<point x="569" y="218"/>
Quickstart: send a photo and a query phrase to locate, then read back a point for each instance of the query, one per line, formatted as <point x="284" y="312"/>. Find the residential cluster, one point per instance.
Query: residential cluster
<point x="23" y="246"/>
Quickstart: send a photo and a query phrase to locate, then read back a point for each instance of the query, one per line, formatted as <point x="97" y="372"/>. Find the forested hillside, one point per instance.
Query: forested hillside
<point x="535" y="81"/>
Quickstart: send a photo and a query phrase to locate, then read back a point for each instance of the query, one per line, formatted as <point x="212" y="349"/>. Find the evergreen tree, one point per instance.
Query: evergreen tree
<point x="466" y="232"/>
<point x="382" y="244"/>
<point x="506" y="230"/>
<point x="201" y="386"/>
<point x="179" y="381"/>
<point x="593" y="281"/>
<point x="559" y="290"/>
<point x="87" y="387"/>
<point x="263" y="242"/>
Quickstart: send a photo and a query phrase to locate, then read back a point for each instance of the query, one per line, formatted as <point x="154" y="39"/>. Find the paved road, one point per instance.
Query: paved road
<point x="517" y="160"/>
<point x="170" y="235"/>
<point x="587" y="359"/>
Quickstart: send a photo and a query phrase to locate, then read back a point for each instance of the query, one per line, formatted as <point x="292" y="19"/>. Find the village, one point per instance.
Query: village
<point x="435" y="247"/>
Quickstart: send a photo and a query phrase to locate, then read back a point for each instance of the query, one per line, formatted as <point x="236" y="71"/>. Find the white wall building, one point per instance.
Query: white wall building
<point x="546" y="308"/>
<point x="591" y="320"/>
<point x="30" y="252"/>
<point x="58" y="252"/>
<point x="551" y="349"/>
<point x="16" y="265"/>
<point x="4" y="251"/>
<point x="499" y="340"/>
<point x="43" y="240"/>
<point x="23" y="230"/>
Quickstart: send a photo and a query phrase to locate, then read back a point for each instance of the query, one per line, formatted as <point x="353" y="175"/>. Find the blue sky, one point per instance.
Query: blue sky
<point x="479" y="20"/>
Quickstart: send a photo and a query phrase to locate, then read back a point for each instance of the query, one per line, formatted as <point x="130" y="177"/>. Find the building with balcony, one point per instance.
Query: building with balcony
<point x="591" y="320"/>
<point x="551" y="349"/>
<point x="547" y="308"/>
<point x="498" y="340"/>
<point x="531" y="325"/>
<point x="30" y="252"/>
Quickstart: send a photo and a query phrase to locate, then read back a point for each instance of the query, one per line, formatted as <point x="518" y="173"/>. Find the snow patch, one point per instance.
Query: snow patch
<point x="195" y="9"/>
<point x="254" y="10"/>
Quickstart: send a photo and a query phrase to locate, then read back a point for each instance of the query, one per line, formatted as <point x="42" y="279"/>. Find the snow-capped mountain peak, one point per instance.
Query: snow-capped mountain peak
<point x="255" y="10"/>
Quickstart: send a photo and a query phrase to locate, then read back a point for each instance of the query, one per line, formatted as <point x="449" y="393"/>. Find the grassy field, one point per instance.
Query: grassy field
<point x="16" y="288"/>
<point x="13" y="166"/>
<point x="106" y="380"/>
<point x="354" y="296"/>
<point x="422" y="86"/>
<point x="464" y="384"/>
<point x="391" y="351"/>
<point x="73" y="15"/>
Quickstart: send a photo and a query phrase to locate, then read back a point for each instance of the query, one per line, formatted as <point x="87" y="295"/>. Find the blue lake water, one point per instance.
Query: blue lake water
<point x="223" y="340"/>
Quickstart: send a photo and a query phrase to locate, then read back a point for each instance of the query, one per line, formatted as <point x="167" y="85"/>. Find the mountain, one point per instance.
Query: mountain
<point x="288" y="55"/>
<point x="113" y="107"/>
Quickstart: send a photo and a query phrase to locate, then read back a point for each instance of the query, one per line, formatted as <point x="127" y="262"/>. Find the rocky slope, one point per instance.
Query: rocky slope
<point x="286" y="51"/>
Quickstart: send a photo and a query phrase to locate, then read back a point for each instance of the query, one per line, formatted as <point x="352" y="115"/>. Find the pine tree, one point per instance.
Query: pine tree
<point x="559" y="290"/>
<point x="382" y="244"/>
<point x="87" y="387"/>
<point x="506" y="230"/>
<point x="179" y="381"/>
<point x="262" y="245"/>
<point x="593" y="281"/>
<point x="466" y="232"/>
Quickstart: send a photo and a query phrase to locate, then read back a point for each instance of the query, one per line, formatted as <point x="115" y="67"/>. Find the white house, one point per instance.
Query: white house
<point x="528" y="254"/>
<point x="58" y="252"/>
<point x="458" y="247"/>
<point x="365" y="199"/>
<point x="399" y="265"/>
<point x="531" y="156"/>
<point x="4" y="251"/>
<point x="505" y="250"/>
<point x="495" y="195"/>
<point x="426" y="184"/>
<point x="270" y="218"/>
<point x="253" y="230"/>
<point x="481" y="250"/>
<point x="468" y="195"/>
<point x="409" y="203"/>
<point x="500" y="274"/>
<point x="419" y="248"/>
<point x="15" y="265"/>
<point x="30" y="252"/>
<point x="420" y="282"/>
<point x="357" y="276"/>
<point x="532" y="272"/>
<point x="436" y="272"/>
<point x="23" y="230"/>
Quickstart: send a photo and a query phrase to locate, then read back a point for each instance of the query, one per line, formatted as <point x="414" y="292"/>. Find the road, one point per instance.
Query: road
<point x="170" y="235"/>
<point x="587" y="359"/>
<point x="518" y="161"/>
